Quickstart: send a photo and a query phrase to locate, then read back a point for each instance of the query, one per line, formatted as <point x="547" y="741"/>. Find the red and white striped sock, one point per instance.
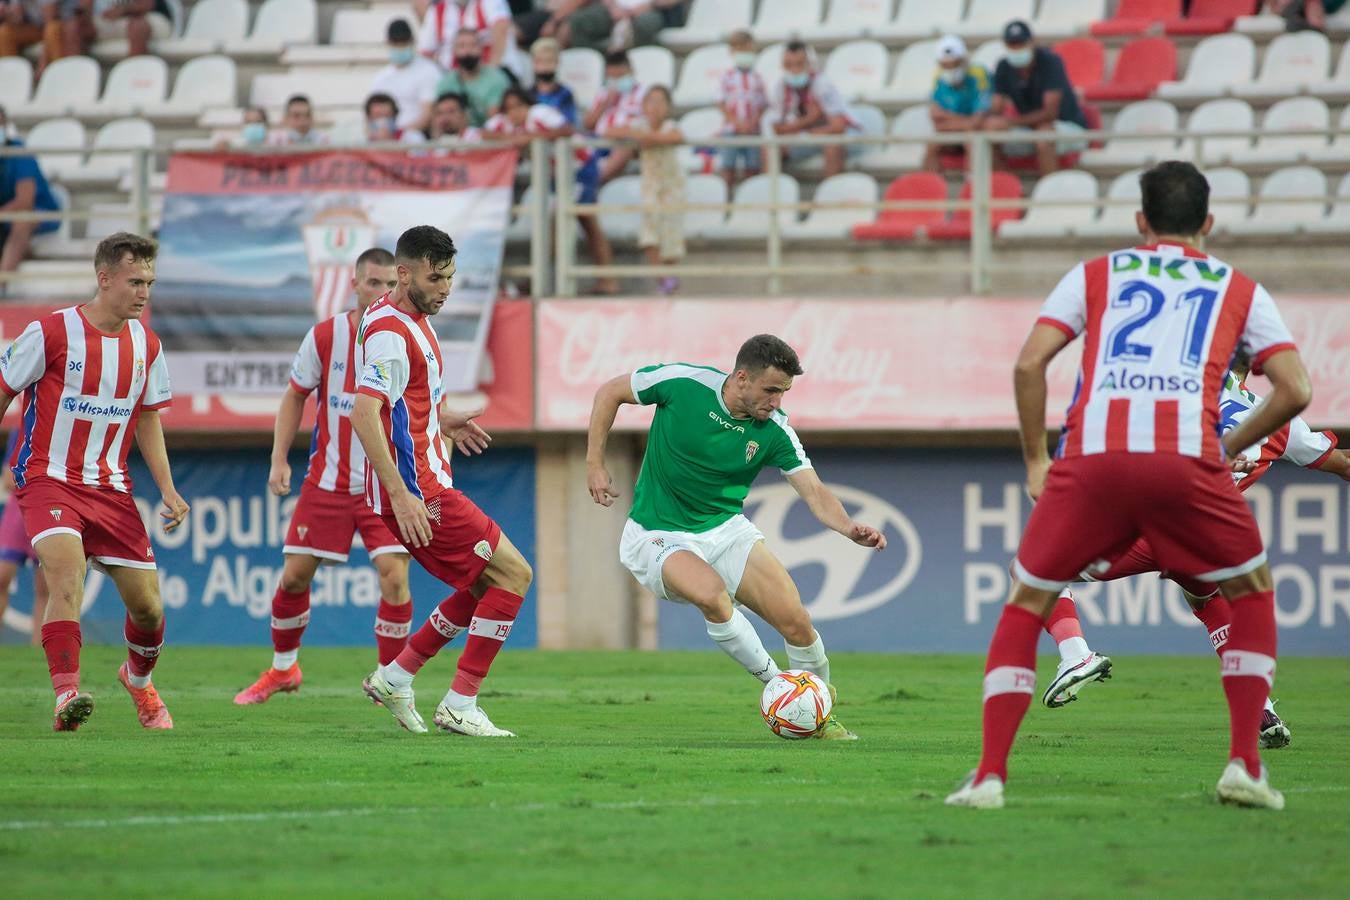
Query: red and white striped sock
<point x="447" y="620"/>
<point x="392" y="624"/>
<point x="1009" y="682"/>
<point x="290" y="615"/>
<point x="1067" y="631"/>
<point x="491" y="626"/>
<point x="142" y="651"/>
<point x="61" y="643"/>
<point x="1248" y="673"/>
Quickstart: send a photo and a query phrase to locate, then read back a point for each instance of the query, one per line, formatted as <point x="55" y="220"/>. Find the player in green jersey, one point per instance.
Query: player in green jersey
<point x="687" y="539"/>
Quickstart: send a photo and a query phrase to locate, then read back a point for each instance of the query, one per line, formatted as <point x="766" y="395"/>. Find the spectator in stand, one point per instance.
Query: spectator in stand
<point x="450" y="120"/>
<point x="26" y="22"/>
<point x="619" y="103"/>
<point x="1301" y="15"/>
<point x="484" y="84"/>
<point x="661" y="235"/>
<point x="743" y="99"/>
<point x="253" y="132"/>
<point x="1032" y="93"/>
<point x="548" y="90"/>
<point x="520" y="122"/>
<point x="84" y="21"/>
<point x="382" y="122"/>
<point x="23" y="189"/>
<point x="806" y="102"/>
<point x="298" y="125"/>
<point x="547" y="21"/>
<point x="489" y="20"/>
<point x="960" y="101"/>
<point x="409" y="78"/>
<point x="617" y="24"/>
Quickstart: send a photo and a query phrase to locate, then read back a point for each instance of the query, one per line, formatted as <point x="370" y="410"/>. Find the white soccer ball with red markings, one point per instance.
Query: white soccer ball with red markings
<point x="795" y="704"/>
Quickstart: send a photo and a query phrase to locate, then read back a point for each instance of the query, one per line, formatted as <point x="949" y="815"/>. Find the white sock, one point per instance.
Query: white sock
<point x="141" y="682"/>
<point x="812" y="658"/>
<point x="281" y="661"/>
<point x="1270" y="707"/>
<point x="1073" y="649"/>
<point x="397" y="677"/>
<point x="739" y="640"/>
<point x="459" y="702"/>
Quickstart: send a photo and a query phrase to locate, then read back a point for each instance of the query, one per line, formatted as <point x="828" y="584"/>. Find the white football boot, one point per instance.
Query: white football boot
<point x="473" y="722"/>
<point x="401" y="704"/>
<point x="1239" y="788"/>
<point x="988" y="794"/>
<point x="1072" y="677"/>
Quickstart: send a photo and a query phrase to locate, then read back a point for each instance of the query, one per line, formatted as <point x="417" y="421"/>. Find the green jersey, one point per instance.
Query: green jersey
<point x="701" y="460"/>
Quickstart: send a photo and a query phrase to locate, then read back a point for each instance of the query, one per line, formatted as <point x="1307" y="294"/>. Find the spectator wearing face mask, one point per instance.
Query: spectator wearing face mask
<point x="1032" y="93"/>
<point x="548" y="90"/>
<point x="806" y="102"/>
<point x="23" y="188"/>
<point x="297" y="127"/>
<point x="489" y="20"/>
<point x="617" y="104"/>
<point x="743" y="99"/>
<point x="409" y="78"/>
<point x="450" y="120"/>
<point x="483" y="84"/>
<point x="253" y="133"/>
<point x="960" y="101"/>
<point x="382" y="122"/>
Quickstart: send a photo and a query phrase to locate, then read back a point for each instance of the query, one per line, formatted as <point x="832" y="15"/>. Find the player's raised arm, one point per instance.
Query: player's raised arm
<point x="612" y="394"/>
<point x="827" y="509"/>
<point x="1290" y="394"/>
<point x="1029" y="386"/>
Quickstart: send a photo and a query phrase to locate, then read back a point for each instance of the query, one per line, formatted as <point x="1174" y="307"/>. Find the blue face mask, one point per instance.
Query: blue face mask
<point x="401" y="56"/>
<point x="797" y="79"/>
<point x="254" y="133"/>
<point x="621" y="85"/>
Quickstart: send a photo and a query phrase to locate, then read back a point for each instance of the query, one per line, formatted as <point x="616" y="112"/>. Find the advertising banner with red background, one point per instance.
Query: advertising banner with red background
<point x="871" y="365"/>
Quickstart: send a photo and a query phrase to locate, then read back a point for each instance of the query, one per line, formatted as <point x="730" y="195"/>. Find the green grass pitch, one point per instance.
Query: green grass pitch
<point x="650" y="774"/>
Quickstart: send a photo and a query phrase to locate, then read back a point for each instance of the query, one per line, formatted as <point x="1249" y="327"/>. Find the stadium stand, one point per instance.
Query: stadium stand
<point x="1275" y="213"/>
<point x="1209" y="17"/>
<point x="1055" y="221"/>
<point x="781" y="21"/>
<point x="1133" y="17"/>
<point x="1142" y="65"/>
<point x="1218" y="64"/>
<point x="1142" y="117"/>
<point x="1084" y="61"/>
<point x="905" y="224"/>
<point x="1004" y="186"/>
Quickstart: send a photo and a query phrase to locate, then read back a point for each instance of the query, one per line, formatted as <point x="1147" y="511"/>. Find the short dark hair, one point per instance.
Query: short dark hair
<point x="765" y="351"/>
<point x="425" y="242"/>
<point x="113" y="248"/>
<point x="617" y="58"/>
<point x="519" y="93"/>
<point x="399" y="32"/>
<point x="375" y="256"/>
<point x="795" y="46"/>
<point x="1175" y="198"/>
<point x="380" y="98"/>
<point x="459" y="98"/>
<point x="297" y="98"/>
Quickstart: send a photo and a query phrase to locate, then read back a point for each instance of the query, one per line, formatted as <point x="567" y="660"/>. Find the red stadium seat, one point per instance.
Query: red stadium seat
<point x="904" y="224"/>
<point x="1140" y="68"/>
<point x="1003" y="186"/>
<point x="1211" y="16"/>
<point x="1137" y="17"/>
<point x="1084" y="61"/>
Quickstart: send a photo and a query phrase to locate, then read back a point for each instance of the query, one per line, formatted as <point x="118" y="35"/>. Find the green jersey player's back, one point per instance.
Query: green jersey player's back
<point x="701" y="460"/>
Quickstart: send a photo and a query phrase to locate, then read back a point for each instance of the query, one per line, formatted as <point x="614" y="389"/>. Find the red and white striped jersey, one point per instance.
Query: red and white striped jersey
<point x="1160" y="325"/>
<point x="445" y="18"/>
<point x="399" y="360"/>
<point x="1295" y="442"/>
<point x="744" y="92"/>
<point x="627" y="108"/>
<point x="83" y="392"/>
<point x="326" y="362"/>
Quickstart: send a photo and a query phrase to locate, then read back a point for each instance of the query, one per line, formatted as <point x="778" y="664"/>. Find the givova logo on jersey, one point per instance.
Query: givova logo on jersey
<point x="837" y="579"/>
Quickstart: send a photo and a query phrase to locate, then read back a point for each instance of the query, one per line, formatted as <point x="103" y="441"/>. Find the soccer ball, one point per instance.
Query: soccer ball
<point x="795" y="704"/>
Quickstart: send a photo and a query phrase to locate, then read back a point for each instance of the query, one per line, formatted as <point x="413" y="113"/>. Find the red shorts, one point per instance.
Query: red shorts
<point x="105" y="521"/>
<point x="1138" y="560"/>
<point x="1094" y="508"/>
<point x="463" y="539"/>
<point x="324" y="521"/>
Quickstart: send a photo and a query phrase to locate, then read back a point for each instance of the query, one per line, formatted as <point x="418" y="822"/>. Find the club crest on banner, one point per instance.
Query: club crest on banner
<point x="333" y="241"/>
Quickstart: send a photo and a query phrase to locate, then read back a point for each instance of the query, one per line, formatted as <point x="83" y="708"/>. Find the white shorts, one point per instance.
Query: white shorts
<point x="726" y="548"/>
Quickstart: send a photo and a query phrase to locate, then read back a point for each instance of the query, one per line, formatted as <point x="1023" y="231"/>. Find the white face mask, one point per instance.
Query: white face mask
<point x="1019" y="58"/>
<point x="954" y="76"/>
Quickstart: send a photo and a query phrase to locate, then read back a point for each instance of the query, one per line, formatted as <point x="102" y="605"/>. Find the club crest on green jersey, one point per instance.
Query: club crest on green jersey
<point x="751" y="448"/>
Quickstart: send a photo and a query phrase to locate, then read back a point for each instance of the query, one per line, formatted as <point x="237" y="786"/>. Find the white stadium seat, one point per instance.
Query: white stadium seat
<point x="923" y="19"/>
<point x="912" y="122"/>
<point x="701" y="75"/>
<point x="357" y="36"/>
<point x="696" y="125"/>
<point x="1263" y="26"/>
<point x="704" y="189"/>
<point x="1338" y="151"/>
<point x="1059" y="19"/>
<point x="135" y="85"/>
<point x="847" y="187"/>
<point x="16" y="74"/>
<point x="1229" y="189"/>
<point x="1274" y="214"/>
<point x="1290" y="114"/>
<point x="109" y="167"/>
<point x="60" y="133"/>
<point x="521" y="226"/>
<point x="709" y="21"/>
<point x="1337" y="220"/>
<point x="653" y="65"/>
<point x="988" y="54"/>
<point x="1055" y="221"/>
<point x="279" y="23"/>
<point x="211" y="26"/>
<point x="1336" y="88"/>
<point x="1292" y="61"/>
<point x="1115" y="221"/>
<point x="626" y="190"/>
<point x="987" y="17"/>
<point x="857" y="68"/>
<point x="1218" y="63"/>
<point x="753" y="224"/>
<point x="1142" y="117"/>
<point x="57" y="244"/>
<point x="912" y="80"/>
<point x="782" y="21"/>
<point x="769" y="65"/>
<point x="854" y="18"/>
<point x="206" y="81"/>
<point x="1218" y="115"/>
<point x="583" y="70"/>
<point x="66" y="84"/>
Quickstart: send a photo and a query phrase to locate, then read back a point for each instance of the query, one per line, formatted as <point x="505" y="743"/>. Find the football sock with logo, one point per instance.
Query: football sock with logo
<point x="392" y="624"/>
<point x="1249" y="672"/>
<point x="1217" y="617"/>
<point x="447" y="620"/>
<point x="1067" y="631"/>
<point x="61" y="642"/>
<point x="1009" y="682"/>
<point x="812" y="658"/>
<point x="142" y="651"/>
<point x="739" y="640"/>
<point x="488" y="631"/>
<point x="290" y="615"/>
